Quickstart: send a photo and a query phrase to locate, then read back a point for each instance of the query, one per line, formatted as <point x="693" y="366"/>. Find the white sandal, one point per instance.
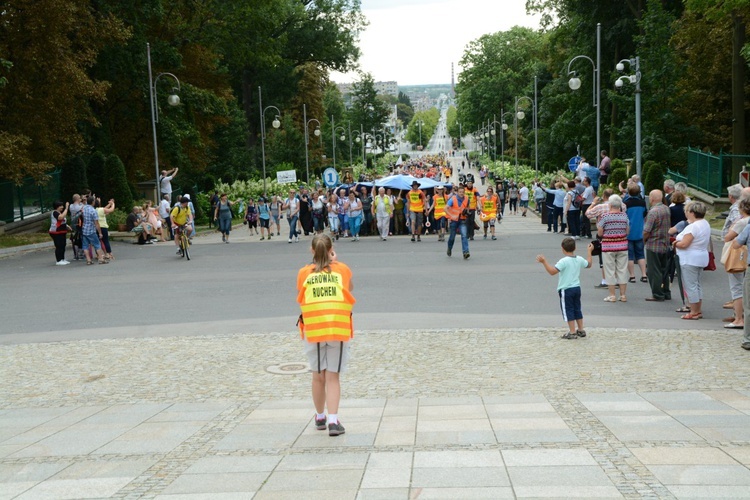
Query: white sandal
<point x="611" y="298"/>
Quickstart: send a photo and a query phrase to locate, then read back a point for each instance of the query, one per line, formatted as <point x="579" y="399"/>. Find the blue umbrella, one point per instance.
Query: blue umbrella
<point x="403" y="182"/>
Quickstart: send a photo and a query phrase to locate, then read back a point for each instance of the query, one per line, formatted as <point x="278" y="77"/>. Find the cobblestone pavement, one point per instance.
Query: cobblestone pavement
<point x="430" y="414"/>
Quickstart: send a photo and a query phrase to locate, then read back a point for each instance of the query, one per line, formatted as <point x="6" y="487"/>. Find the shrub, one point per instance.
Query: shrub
<point x="653" y="176"/>
<point x="95" y="172"/>
<point x="117" y="217"/>
<point x="618" y="175"/>
<point x="116" y="183"/>
<point x="73" y="177"/>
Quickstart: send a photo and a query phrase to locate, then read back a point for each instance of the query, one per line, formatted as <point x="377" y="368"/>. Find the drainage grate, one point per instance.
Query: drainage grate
<point x="288" y="368"/>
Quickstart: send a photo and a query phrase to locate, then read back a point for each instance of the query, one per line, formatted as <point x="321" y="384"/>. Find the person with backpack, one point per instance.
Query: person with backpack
<point x="572" y="210"/>
<point x="264" y="216"/>
<point x="251" y="216"/>
<point x="223" y="214"/>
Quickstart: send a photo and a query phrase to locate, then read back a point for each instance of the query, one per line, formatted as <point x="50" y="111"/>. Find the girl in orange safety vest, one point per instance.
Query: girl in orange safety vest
<point x="326" y="327"/>
<point x="488" y="211"/>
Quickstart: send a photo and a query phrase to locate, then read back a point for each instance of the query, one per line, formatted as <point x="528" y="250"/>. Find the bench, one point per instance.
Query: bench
<point x="127" y="236"/>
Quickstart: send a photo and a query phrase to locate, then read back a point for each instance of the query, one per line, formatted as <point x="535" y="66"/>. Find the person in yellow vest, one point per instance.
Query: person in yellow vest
<point x="439" y="200"/>
<point x="472" y="194"/>
<point x="324" y="295"/>
<point x="415" y="202"/>
<point x="457" y="211"/>
<point x="488" y="211"/>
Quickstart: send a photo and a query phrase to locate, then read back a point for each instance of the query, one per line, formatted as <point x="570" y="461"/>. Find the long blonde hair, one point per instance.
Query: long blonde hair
<point x="322" y="245"/>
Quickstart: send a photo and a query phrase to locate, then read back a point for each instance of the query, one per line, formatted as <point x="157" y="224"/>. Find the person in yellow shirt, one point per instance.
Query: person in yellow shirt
<point x="181" y="215"/>
<point x="472" y="194"/>
<point x="439" y="200"/>
<point x="488" y="211"/>
<point x="415" y="202"/>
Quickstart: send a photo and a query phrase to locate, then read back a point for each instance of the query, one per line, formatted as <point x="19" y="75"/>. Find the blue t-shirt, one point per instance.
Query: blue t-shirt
<point x="570" y="271"/>
<point x="263" y="211"/>
<point x="636" y="216"/>
<point x="592" y="173"/>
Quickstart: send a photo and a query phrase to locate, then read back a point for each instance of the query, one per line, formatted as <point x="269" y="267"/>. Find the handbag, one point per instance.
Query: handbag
<point x="597" y="247"/>
<point x="711" y="260"/>
<point x="736" y="261"/>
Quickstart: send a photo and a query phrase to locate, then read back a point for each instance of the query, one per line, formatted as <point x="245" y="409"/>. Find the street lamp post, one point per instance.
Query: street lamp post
<point x="307" y="138"/>
<point x="275" y="124"/>
<point x="520" y="116"/>
<point x="173" y="100"/>
<point x="575" y="83"/>
<point x="634" y="64"/>
<point x="343" y="138"/>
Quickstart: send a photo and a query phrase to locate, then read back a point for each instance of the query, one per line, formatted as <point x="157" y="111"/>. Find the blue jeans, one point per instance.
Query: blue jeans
<point x="225" y="225"/>
<point x="292" y="226"/>
<point x="460" y="226"/>
<point x="354" y="223"/>
<point x="574" y="221"/>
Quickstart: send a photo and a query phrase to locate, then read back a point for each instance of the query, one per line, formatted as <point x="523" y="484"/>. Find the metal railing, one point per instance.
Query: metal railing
<point x="18" y="202"/>
<point x="709" y="172"/>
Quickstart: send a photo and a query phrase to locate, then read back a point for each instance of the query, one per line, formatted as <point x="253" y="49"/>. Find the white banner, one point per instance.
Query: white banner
<point x="286" y="176"/>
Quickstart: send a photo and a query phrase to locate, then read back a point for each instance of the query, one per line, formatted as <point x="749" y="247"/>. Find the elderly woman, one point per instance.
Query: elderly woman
<point x="613" y="230"/>
<point x="736" y="279"/>
<point x="692" y="249"/>
<point x="354" y="212"/>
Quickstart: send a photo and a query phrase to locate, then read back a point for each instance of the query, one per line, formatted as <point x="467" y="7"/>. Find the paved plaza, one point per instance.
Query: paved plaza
<point x="188" y="380"/>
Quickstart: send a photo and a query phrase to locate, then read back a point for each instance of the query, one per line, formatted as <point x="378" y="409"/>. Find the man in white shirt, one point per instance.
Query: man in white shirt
<point x="165" y="182"/>
<point x="523" y="194"/>
<point x="164" y="214"/>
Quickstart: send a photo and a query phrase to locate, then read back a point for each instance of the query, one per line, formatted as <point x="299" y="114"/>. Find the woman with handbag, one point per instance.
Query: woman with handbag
<point x="58" y="228"/>
<point x="735" y="263"/>
<point x="692" y="246"/>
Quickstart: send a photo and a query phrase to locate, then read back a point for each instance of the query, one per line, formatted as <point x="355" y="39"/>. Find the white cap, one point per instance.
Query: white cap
<point x="187" y="195"/>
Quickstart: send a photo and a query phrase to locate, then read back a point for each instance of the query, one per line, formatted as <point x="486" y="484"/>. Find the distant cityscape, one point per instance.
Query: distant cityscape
<point x="422" y="97"/>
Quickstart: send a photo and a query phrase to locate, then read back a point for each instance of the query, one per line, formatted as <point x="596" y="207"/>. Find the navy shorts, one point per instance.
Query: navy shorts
<point x="635" y="250"/>
<point x="570" y="303"/>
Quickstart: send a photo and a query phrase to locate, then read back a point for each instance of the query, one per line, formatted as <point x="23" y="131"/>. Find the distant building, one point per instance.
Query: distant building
<point x="383" y="88"/>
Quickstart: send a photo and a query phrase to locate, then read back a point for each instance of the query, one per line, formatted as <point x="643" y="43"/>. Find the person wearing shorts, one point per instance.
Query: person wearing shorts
<point x="324" y="295"/>
<point x="415" y="201"/>
<point x="264" y="217"/>
<point x="523" y="194"/>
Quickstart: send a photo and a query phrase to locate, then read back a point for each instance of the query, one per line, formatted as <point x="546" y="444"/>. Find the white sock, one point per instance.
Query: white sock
<point x="333" y="418"/>
<point x="320" y="416"/>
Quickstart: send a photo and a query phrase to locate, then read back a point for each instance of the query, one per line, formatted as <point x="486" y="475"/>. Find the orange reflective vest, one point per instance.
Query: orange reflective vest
<point x="326" y="303"/>
<point x="440" y="202"/>
<point x="455" y="211"/>
<point x="472" y="194"/>
<point x="416" y="201"/>
<point x="489" y="207"/>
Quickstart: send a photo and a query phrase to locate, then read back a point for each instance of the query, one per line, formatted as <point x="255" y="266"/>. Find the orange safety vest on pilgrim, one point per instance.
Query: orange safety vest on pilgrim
<point x="489" y="207"/>
<point x="440" y="202"/>
<point x="326" y="303"/>
<point x="416" y="201"/>
<point x="455" y="212"/>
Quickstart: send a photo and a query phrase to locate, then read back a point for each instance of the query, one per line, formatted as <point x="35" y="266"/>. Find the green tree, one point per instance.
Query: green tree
<point x="95" y="172"/>
<point x="367" y="110"/>
<point x="51" y="45"/>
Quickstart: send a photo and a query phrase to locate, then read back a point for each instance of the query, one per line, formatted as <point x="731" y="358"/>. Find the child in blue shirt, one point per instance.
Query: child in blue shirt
<point x="569" y="285"/>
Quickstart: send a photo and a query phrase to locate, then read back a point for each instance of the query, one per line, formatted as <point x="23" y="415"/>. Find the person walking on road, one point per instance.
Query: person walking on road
<point x="458" y="211"/>
<point x="324" y="295"/>
<point x="223" y="214"/>
<point x="523" y="195"/>
<point x="382" y="209"/>
<point x="415" y="201"/>
<point x="291" y="205"/>
<point x="488" y="212"/>
<point x="472" y="194"/>
<point x="437" y="208"/>
<point x="354" y="211"/>
<point x="513" y="198"/>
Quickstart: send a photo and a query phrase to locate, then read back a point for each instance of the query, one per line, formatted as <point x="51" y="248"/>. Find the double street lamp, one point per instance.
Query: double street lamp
<point x="334" y="130"/>
<point x="635" y="79"/>
<point x="172" y="100"/>
<point x="276" y="123"/>
<point x="504" y="127"/>
<point x="307" y="138"/>
<point x="575" y="83"/>
<point x="520" y="115"/>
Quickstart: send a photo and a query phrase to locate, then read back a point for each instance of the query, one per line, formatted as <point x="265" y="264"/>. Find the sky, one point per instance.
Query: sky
<point x="441" y="29"/>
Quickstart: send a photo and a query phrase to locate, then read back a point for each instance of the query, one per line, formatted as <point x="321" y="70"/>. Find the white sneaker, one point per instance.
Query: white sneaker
<point x="296" y="239"/>
<point x="62" y="263"/>
<point x="66" y="262"/>
<point x="290" y="240"/>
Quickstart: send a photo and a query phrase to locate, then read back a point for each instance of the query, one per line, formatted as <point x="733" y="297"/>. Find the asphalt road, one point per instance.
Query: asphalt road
<point x="249" y="286"/>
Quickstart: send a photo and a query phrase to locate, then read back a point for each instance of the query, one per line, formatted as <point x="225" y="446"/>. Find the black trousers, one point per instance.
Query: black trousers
<point x="60" y="242"/>
<point x="585" y="222"/>
<point x="657" y="270"/>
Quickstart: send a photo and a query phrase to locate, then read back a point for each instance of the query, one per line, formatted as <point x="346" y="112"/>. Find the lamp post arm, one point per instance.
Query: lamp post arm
<point x="153" y="89"/>
<point x="263" y="118"/>
<point x="596" y="71"/>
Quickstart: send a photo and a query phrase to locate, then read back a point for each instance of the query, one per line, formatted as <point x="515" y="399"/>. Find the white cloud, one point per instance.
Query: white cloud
<point x="414" y="41"/>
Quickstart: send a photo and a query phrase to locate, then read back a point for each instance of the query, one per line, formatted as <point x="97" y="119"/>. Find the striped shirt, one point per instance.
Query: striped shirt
<point x="615" y="236"/>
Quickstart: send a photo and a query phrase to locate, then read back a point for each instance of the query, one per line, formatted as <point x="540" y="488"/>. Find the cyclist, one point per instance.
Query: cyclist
<point x="181" y="215"/>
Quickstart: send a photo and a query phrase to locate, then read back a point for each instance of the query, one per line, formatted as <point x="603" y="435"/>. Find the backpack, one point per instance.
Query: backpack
<point x="577" y="200"/>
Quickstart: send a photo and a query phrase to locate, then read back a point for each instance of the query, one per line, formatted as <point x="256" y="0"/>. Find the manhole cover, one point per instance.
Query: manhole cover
<point x="288" y="368"/>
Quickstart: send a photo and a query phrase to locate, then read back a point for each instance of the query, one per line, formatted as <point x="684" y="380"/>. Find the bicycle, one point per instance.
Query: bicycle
<point x="184" y="242"/>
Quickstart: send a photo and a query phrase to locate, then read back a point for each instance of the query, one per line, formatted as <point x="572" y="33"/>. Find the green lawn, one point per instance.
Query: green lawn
<point x="17" y="240"/>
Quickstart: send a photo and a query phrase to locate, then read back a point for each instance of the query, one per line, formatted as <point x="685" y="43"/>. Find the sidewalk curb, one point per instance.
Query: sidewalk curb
<point x="9" y="252"/>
